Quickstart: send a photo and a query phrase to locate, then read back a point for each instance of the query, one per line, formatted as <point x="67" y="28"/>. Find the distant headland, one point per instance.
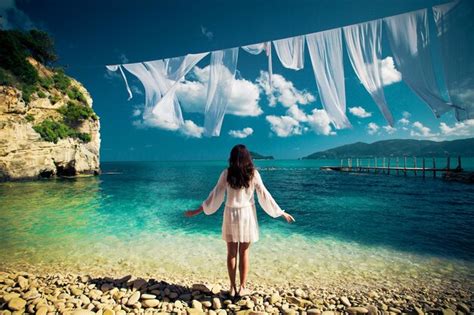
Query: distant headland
<point x="258" y="156"/>
<point x="399" y="147"/>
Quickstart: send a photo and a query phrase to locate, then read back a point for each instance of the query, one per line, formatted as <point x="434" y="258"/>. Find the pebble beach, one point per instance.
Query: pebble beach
<point x="82" y="294"/>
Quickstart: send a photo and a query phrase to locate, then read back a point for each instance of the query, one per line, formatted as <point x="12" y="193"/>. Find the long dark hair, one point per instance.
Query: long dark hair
<point x="240" y="170"/>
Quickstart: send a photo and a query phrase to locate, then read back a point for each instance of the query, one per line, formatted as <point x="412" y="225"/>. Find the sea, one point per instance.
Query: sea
<point x="350" y="228"/>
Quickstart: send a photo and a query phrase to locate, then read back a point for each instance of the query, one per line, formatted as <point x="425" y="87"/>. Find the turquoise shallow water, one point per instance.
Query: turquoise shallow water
<point x="349" y="227"/>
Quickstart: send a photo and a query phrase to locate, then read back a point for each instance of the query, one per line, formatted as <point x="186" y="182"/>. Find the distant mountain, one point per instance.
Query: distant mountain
<point x="257" y="156"/>
<point x="399" y="147"/>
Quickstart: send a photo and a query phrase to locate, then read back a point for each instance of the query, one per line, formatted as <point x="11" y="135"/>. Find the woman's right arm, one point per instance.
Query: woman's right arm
<point x="214" y="200"/>
<point x="192" y="213"/>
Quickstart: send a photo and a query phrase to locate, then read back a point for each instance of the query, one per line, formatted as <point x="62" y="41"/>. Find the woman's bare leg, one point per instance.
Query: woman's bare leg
<point x="232" y="248"/>
<point x="243" y="263"/>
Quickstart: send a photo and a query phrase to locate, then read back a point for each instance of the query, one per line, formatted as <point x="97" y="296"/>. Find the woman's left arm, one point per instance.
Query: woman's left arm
<point x="267" y="202"/>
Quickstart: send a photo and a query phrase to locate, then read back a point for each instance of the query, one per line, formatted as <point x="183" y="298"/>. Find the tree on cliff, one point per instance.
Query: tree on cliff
<point x="15" y="47"/>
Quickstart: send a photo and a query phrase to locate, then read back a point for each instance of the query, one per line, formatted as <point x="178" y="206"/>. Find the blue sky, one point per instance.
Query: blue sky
<point x="91" y="34"/>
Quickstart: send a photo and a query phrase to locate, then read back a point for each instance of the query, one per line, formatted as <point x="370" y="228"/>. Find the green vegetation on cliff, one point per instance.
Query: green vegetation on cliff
<point x="43" y="82"/>
<point x="73" y="114"/>
<point x="15" y="47"/>
<point x="52" y="131"/>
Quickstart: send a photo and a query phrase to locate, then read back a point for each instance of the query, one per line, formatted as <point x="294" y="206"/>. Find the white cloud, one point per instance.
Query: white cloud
<point x="207" y="33"/>
<point x="190" y="129"/>
<point x="149" y="119"/>
<point x="390" y="75"/>
<point x="389" y="129"/>
<point x="372" y="128"/>
<point x="359" y="112"/>
<point x="136" y="112"/>
<point x="284" y="126"/>
<point x="404" y="120"/>
<point x="296" y="122"/>
<point x="320" y="123"/>
<point x="295" y="112"/>
<point x="282" y="91"/>
<point x="11" y="17"/>
<point x="244" y="133"/>
<point x="420" y="130"/>
<point x="464" y="128"/>
<point x="243" y="101"/>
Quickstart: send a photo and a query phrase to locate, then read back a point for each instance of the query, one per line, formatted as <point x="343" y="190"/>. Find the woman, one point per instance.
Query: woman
<point x="240" y="228"/>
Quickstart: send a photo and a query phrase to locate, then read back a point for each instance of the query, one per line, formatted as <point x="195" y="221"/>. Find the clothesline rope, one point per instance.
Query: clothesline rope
<point x="288" y="37"/>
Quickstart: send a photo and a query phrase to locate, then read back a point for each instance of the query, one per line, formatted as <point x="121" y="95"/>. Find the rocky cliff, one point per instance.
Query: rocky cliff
<point x="29" y="146"/>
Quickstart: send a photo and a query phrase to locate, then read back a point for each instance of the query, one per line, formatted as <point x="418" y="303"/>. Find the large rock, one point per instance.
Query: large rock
<point x="16" y="304"/>
<point x="25" y="155"/>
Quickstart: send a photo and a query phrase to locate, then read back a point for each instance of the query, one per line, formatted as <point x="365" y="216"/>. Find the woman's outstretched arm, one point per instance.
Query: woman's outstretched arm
<point x="192" y="213"/>
<point x="267" y="202"/>
<point x="215" y="198"/>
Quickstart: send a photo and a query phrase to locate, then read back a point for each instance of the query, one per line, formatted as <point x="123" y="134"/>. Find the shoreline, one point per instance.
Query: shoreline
<point x="53" y="293"/>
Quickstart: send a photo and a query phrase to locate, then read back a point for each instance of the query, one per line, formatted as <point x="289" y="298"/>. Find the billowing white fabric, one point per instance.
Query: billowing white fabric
<point x="152" y="94"/>
<point x="160" y="78"/>
<point x="167" y="73"/>
<point x="256" y="49"/>
<point x="240" y="217"/>
<point x="268" y="49"/>
<point x="455" y="28"/>
<point x="167" y="110"/>
<point x="363" y="42"/>
<point x="410" y="42"/>
<point x="221" y="79"/>
<point x="290" y="51"/>
<point x="115" y="68"/>
<point x="325" y="50"/>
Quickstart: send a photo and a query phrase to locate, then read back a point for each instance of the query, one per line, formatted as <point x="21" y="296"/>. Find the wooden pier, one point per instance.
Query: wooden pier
<point x="385" y="166"/>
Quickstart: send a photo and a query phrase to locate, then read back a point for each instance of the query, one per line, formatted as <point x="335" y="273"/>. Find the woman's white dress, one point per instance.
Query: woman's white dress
<point x="240" y="214"/>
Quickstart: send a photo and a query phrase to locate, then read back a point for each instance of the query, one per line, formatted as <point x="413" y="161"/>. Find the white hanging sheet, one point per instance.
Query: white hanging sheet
<point x="409" y="39"/>
<point x="290" y="51"/>
<point x="256" y="49"/>
<point x="117" y="67"/>
<point x="363" y="43"/>
<point x="325" y="50"/>
<point x="160" y="78"/>
<point x="221" y="79"/>
<point x="410" y="43"/>
<point x="455" y="27"/>
<point x="152" y="93"/>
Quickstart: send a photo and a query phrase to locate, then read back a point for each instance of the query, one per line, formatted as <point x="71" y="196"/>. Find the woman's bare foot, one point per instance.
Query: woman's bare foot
<point x="232" y="291"/>
<point x="244" y="291"/>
